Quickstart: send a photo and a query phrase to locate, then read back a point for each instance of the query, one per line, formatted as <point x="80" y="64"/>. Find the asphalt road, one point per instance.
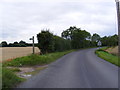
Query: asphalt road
<point x="80" y="69"/>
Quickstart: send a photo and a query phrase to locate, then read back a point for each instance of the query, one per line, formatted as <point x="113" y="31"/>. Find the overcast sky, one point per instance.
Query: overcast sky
<point x="22" y="19"/>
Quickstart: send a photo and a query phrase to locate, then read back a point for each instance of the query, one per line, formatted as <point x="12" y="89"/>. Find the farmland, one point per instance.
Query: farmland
<point x="8" y="53"/>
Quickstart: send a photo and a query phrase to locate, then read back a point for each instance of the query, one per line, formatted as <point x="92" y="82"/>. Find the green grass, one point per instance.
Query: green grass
<point x="107" y="56"/>
<point x="32" y="60"/>
<point x="9" y="79"/>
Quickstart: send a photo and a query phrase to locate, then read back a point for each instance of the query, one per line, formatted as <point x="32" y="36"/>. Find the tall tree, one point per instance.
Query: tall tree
<point x="77" y="36"/>
<point x="45" y="41"/>
<point x="95" y="37"/>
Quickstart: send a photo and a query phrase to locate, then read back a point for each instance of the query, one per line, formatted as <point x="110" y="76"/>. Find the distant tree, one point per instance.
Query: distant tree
<point x="22" y="43"/>
<point x="95" y="39"/>
<point x="104" y="41"/>
<point x="4" y="44"/>
<point x="110" y="40"/>
<point x="45" y="41"/>
<point x="11" y="45"/>
<point x="16" y="44"/>
<point x="79" y="38"/>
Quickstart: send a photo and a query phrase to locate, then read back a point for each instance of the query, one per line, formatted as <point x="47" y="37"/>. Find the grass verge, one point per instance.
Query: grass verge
<point x="32" y="60"/>
<point x="107" y="56"/>
<point x="10" y="79"/>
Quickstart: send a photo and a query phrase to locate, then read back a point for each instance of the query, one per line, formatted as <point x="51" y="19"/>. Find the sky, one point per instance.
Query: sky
<point x="22" y="19"/>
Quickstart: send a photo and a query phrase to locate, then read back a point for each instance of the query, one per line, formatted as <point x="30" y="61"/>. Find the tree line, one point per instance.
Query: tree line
<point x="72" y="38"/>
<point x="15" y="44"/>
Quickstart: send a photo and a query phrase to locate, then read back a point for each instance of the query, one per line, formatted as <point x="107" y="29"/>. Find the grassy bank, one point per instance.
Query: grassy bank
<point x="10" y="79"/>
<point x="107" y="56"/>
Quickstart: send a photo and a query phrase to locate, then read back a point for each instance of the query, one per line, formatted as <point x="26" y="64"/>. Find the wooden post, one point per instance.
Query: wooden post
<point x="33" y="46"/>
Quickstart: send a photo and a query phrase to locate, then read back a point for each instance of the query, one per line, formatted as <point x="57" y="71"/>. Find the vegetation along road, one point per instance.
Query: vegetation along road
<point x="80" y="69"/>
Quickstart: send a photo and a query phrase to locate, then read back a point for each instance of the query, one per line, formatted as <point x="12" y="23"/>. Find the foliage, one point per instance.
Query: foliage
<point x="61" y="44"/>
<point x="79" y="38"/>
<point x="45" y="41"/>
<point x="95" y="37"/>
<point x="110" y="40"/>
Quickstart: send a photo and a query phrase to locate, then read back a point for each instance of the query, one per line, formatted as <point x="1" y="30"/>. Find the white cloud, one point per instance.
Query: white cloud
<point x="21" y="19"/>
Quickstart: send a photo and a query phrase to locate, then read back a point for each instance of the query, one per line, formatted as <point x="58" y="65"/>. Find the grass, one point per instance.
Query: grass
<point x="32" y="60"/>
<point x="107" y="56"/>
<point x="10" y="79"/>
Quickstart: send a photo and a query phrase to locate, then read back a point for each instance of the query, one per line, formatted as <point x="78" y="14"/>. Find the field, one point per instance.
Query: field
<point x="113" y="50"/>
<point x="8" y="53"/>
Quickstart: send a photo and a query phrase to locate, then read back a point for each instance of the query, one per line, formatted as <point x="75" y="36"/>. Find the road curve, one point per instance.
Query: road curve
<point x="80" y="69"/>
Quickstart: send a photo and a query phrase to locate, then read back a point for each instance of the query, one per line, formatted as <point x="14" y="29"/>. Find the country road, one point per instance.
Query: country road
<point x="79" y="69"/>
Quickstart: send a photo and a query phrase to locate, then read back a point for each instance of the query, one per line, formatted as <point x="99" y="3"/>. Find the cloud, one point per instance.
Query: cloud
<point x="21" y="19"/>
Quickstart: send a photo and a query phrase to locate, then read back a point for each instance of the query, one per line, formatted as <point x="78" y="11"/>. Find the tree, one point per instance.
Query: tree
<point x="110" y="40"/>
<point x="16" y="44"/>
<point x="4" y="44"/>
<point x="61" y="44"/>
<point x="95" y="39"/>
<point x="79" y="38"/>
<point x="45" y="41"/>
<point x="22" y="43"/>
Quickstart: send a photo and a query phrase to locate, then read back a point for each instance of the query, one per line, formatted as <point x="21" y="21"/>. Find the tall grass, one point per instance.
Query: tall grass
<point x="9" y="79"/>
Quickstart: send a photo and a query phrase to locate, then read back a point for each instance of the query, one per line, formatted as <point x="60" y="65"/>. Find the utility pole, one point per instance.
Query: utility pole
<point x="33" y="44"/>
<point x="118" y="15"/>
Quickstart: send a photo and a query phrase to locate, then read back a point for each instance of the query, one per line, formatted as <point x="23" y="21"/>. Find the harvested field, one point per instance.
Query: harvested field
<point x="113" y="50"/>
<point x="8" y="53"/>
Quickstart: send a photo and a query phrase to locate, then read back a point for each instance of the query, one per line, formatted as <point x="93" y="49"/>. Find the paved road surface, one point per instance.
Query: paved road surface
<point x="80" y="69"/>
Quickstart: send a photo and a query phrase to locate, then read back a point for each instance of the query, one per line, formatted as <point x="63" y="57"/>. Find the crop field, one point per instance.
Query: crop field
<point x="8" y="53"/>
<point x="113" y="50"/>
